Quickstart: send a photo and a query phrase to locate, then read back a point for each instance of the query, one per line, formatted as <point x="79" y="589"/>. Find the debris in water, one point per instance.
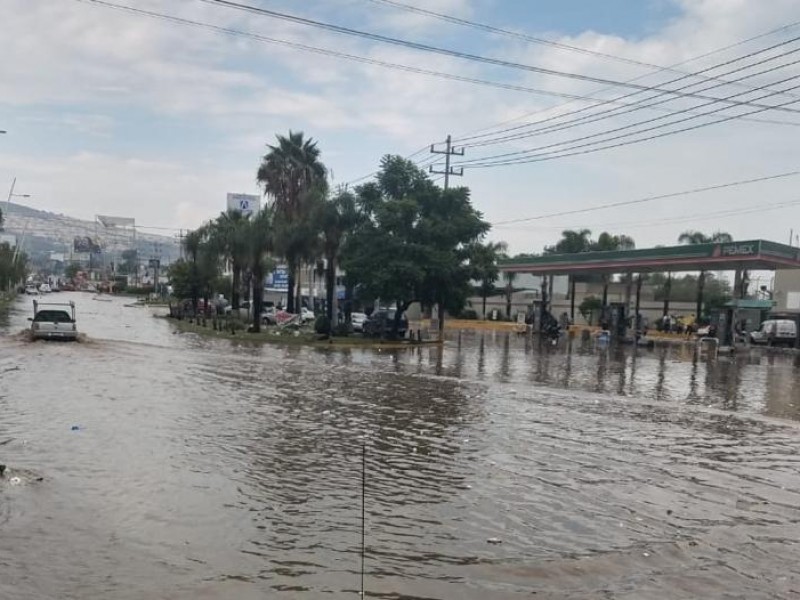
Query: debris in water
<point x="494" y="541"/>
<point x="645" y="554"/>
<point x="15" y="481"/>
<point x="75" y="428"/>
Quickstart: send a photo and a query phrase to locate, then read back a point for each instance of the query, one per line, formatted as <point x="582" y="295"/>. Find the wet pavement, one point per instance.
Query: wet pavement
<point x="180" y="467"/>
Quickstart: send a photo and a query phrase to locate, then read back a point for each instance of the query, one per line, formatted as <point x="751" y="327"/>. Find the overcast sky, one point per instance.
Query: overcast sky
<point x="116" y="113"/>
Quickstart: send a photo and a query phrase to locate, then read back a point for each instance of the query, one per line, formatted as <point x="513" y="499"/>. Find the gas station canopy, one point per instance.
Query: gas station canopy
<point x="753" y="254"/>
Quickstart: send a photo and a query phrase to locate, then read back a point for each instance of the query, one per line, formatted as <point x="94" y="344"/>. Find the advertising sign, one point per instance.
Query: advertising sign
<point x="108" y="221"/>
<point x="85" y="245"/>
<point x="246" y="204"/>
<point x="278" y="280"/>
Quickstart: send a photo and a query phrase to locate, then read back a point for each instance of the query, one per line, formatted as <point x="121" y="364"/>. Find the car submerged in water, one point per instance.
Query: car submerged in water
<point x="53" y="321"/>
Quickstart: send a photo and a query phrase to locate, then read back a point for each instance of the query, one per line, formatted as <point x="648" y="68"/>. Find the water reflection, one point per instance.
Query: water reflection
<point x="235" y="473"/>
<point x="664" y="374"/>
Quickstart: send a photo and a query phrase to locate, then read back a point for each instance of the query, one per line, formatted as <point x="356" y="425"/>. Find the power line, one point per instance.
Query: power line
<point x="462" y="55"/>
<point x="660" y="221"/>
<point x="638" y="105"/>
<point x="699" y="190"/>
<point x="537" y="40"/>
<point x="343" y="55"/>
<point x="771" y="32"/>
<point x="534" y="152"/>
<point x="182" y="21"/>
<point x="569" y="151"/>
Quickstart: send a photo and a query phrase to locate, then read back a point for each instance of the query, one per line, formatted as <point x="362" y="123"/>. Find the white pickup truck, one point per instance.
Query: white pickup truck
<point x="53" y="321"/>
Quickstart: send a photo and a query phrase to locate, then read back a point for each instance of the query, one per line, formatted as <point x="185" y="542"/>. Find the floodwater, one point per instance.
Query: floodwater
<point x="176" y="467"/>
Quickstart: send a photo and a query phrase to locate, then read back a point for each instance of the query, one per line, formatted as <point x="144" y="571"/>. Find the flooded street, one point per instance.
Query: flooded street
<point x="178" y="467"/>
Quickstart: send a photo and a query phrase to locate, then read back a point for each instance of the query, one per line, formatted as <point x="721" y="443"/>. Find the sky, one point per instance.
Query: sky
<point x="113" y="112"/>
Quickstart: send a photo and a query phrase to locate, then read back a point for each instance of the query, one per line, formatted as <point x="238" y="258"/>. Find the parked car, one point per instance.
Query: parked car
<point x="45" y="288"/>
<point x="776" y="331"/>
<point x="307" y="315"/>
<point x="53" y="321"/>
<point x="268" y="316"/>
<point x="357" y="320"/>
<point x="31" y="290"/>
<point x="381" y="323"/>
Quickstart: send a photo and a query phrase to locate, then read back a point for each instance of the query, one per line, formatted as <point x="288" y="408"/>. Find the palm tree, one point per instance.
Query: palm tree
<point x="288" y="172"/>
<point x="483" y="259"/>
<point x="571" y="242"/>
<point x="227" y="235"/>
<point x="192" y="244"/>
<point x="258" y="236"/>
<point x="337" y="216"/>
<point x="698" y="237"/>
<point x="509" y="277"/>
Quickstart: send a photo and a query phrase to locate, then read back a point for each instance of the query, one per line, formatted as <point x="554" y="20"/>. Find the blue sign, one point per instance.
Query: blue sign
<point x="278" y="280"/>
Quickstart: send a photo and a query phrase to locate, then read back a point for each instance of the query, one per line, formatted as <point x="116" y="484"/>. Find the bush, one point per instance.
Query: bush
<point x="322" y="325"/>
<point x="144" y="290"/>
<point x="342" y="330"/>
<point x="468" y="314"/>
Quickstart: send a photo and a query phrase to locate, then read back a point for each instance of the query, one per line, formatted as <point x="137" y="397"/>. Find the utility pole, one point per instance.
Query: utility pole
<point x="448" y="170"/>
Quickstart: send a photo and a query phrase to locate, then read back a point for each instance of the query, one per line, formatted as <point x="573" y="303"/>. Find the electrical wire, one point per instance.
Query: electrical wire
<point x="299" y="46"/>
<point x="646" y="199"/>
<point x="637" y="105"/>
<point x="591" y="150"/>
<point x="343" y="55"/>
<point x="469" y="134"/>
<point x="459" y="54"/>
<point x="536" y="151"/>
<point x="537" y="40"/>
<point x="660" y="221"/>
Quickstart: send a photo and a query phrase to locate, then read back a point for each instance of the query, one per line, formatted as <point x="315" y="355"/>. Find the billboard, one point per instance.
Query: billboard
<point x="278" y="280"/>
<point x="107" y="221"/>
<point x="247" y="204"/>
<point x="85" y="245"/>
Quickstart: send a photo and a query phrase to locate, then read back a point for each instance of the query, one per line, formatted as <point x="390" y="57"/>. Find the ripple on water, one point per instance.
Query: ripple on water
<point x="202" y="469"/>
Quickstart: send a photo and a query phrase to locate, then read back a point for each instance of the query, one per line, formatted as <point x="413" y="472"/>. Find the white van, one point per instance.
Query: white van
<point x="778" y="331"/>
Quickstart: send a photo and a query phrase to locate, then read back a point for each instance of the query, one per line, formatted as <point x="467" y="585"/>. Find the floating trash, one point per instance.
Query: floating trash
<point x="15" y="481"/>
<point x="494" y="541"/>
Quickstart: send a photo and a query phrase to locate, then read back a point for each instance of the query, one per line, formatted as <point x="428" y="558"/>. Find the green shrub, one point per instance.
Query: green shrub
<point x="322" y="324"/>
<point x="469" y="314"/>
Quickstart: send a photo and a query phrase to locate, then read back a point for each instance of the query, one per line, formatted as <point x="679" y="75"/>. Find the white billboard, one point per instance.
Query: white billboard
<point x="247" y="204"/>
<point x="108" y="221"/>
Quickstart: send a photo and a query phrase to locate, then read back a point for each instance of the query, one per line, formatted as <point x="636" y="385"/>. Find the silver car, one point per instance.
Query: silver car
<point x="53" y="321"/>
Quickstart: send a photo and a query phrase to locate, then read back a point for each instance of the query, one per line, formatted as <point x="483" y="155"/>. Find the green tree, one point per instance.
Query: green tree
<point x="413" y="240"/>
<point x="698" y="237"/>
<point x="227" y="235"/>
<point x="337" y="217"/>
<point x="259" y="237"/>
<point x="589" y="308"/>
<point x="483" y="259"/>
<point x="13" y="266"/>
<point x="509" y="277"/>
<point x="71" y="271"/>
<point x="289" y="172"/>
<point x="130" y="262"/>
<point x="203" y="258"/>
<point x="571" y="242"/>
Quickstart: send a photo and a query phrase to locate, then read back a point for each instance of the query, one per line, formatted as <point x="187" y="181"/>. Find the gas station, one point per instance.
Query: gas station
<point x="741" y="256"/>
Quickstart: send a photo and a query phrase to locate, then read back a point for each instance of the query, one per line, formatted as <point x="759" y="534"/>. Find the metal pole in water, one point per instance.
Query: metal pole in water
<point x="363" y="510"/>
